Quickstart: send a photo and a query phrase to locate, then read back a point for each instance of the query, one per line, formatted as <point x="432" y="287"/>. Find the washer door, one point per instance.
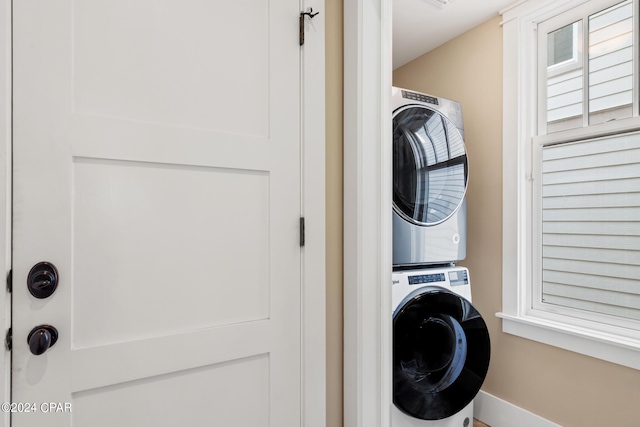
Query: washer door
<point x="441" y="353"/>
<point x="429" y="166"/>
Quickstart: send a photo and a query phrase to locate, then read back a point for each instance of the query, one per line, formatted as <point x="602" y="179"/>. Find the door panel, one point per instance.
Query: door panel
<point x="125" y="204"/>
<point x="224" y="401"/>
<point x="196" y="56"/>
<point x="157" y="165"/>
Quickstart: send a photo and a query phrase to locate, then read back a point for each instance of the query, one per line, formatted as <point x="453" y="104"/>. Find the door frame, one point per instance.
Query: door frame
<point x="367" y="213"/>
<point x="5" y="198"/>
<point x="314" y="348"/>
<point x="313" y="296"/>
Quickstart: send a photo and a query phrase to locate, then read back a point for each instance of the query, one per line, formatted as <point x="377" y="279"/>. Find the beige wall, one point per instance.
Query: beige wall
<point x="565" y="387"/>
<point x="333" y="40"/>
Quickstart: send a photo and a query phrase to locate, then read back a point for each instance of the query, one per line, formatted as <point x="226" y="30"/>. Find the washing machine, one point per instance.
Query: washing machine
<point x="430" y="174"/>
<point x="441" y="348"/>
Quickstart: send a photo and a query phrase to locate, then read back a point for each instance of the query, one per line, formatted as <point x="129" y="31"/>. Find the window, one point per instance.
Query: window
<point x="562" y="45"/>
<point x="572" y="176"/>
<point x="582" y="90"/>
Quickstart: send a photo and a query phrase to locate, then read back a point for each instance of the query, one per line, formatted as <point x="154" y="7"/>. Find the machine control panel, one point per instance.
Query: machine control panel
<point x="420" y="97"/>
<point x="426" y="278"/>
<point x="455" y="278"/>
<point x="458" y="278"/>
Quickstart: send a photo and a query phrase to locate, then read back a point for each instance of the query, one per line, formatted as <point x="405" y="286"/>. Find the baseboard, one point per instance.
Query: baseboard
<point x="496" y="412"/>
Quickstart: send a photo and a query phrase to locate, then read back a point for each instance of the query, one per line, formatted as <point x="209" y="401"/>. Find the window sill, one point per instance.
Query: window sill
<point x="612" y="348"/>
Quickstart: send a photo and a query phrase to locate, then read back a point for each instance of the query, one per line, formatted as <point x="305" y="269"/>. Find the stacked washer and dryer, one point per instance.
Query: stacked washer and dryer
<point x="441" y="343"/>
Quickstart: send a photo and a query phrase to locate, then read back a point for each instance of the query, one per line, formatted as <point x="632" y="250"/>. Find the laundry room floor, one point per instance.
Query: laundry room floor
<point x="477" y="423"/>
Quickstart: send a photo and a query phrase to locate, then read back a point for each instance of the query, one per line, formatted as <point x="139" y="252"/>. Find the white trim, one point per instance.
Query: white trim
<point x="605" y="346"/>
<point x="5" y="197"/>
<point x="615" y="127"/>
<point x="367" y="213"/>
<point x="313" y="209"/>
<point x="510" y="7"/>
<point x="496" y="412"/>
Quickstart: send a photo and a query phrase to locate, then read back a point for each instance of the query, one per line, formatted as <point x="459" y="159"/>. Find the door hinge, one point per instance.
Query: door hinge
<point x="10" y="281"/>
<point x="302" y="232"/>
<point x="8" y="340"/>
<point x="311" y="15"/>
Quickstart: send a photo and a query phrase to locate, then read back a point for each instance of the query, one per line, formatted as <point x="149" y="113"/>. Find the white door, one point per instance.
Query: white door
<point x="157" y="166"/>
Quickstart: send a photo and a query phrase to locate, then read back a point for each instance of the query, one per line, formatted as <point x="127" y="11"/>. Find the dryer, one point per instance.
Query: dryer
<point x="441" y="348"/>
<point x="430" y="173"/>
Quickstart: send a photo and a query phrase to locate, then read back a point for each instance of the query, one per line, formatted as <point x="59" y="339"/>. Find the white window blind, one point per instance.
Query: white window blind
<point x="591" y="225"/>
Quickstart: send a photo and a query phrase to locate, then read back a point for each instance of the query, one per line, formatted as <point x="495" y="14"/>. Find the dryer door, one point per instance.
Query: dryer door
<point x="429" y="165"/>
<point x="441" y="353"/>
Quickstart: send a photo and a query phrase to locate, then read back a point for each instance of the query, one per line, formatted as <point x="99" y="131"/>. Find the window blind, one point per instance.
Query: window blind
<point x="591" y="225"/>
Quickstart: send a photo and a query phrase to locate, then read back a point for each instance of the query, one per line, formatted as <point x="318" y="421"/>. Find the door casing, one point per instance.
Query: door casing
<point x="5" y="195"/>
<point x="367" y="213"/>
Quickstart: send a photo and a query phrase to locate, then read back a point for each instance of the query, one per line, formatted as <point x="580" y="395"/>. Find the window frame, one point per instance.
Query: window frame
<point x="521" y="147"/>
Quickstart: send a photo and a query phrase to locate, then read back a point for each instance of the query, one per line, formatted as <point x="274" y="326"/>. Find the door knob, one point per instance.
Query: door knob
<point x="41" y="338"/>
<point x="42" y="280"/>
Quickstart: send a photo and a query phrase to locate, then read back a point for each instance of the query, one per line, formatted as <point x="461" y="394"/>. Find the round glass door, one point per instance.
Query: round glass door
<point x="429" y="166"/>
<point x="441" y="354"/>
